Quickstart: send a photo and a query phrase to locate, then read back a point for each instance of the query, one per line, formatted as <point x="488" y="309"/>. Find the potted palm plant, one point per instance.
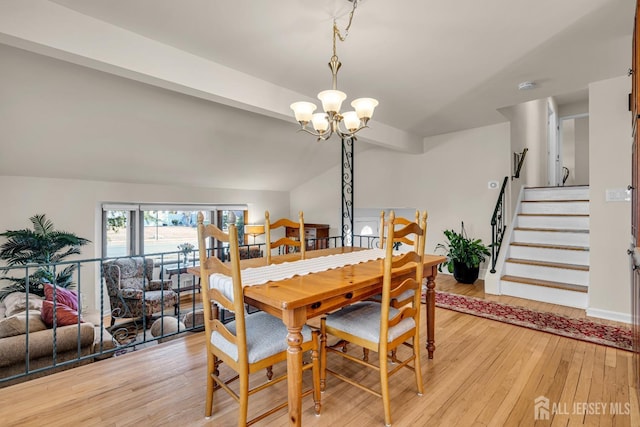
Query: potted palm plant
<point x="44" y="245"/>
<point x="464" y="255"/>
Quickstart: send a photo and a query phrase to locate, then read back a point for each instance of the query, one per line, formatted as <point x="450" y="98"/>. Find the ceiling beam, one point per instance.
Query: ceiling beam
<point x="49" y="29"/>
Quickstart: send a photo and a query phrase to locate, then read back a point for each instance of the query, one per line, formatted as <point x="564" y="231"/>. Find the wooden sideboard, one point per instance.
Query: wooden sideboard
<point x="316" y="235"/>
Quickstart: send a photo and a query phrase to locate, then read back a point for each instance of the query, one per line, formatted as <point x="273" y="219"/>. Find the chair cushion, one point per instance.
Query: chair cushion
<point x="133" y="283"/>
<point x="266" y="336"/>
<point x="363" y="320"/>
<point x="131" y="268"/>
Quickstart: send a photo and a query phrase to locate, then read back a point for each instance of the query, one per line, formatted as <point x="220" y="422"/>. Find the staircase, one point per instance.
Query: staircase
<point x="548" y="257"/>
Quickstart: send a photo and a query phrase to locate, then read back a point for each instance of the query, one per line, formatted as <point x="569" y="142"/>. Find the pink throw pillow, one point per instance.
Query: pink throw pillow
<point x="63" y="296"/>
<point x="65" y="315"/>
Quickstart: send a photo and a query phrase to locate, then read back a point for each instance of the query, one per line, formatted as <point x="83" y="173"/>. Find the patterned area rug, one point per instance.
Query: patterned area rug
<point x="581" y="329"/>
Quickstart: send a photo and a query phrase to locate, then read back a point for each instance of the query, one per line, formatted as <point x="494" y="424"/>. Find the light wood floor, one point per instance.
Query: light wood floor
<point x="484" y="373"/>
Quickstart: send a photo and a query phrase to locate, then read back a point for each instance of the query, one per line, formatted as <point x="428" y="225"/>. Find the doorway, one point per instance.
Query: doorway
<point x="573" y="137"/>
<point x="554" y="163"/>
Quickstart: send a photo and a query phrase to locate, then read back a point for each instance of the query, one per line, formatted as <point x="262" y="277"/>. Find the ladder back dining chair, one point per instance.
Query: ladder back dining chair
<point x="400" y="221"/>
<point x="249" y="343"/>
<point x="284" y="242"/>
<point x="385" y="326"/>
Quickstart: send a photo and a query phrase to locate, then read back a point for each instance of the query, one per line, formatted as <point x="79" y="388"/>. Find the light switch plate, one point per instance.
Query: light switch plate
<point x="617" y="195"/>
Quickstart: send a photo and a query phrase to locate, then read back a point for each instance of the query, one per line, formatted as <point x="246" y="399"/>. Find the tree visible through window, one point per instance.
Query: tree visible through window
<point x="136" y="229"/>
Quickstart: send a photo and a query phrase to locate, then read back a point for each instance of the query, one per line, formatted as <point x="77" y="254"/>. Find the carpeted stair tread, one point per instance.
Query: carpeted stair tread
<point x="548" y="246"/>
<point x="577" y="267"/>
<point x="545" y="283"/>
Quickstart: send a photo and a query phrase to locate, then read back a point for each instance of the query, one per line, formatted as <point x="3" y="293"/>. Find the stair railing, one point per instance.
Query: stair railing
<point x="498" y="225"/>
<point x="518" y="161"/>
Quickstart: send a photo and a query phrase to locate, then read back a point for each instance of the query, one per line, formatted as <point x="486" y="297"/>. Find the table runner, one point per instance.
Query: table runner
<point x="287" y="270"/>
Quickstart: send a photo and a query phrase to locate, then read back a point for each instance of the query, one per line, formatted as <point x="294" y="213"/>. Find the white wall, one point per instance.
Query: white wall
<point x="575" y="149"/>
<point x="320" y="198"/>
<point x="574" y="108"/>
<point x="610" y="151"/>
<point x="449" y="180"/>
<point x="66" y="121"/>
<point x="568" y="140"/>
<point x="579" y="166"/>
<point x="582" y="151"/>
<point x="528" y="130"/>
<point x="75" y="206"/>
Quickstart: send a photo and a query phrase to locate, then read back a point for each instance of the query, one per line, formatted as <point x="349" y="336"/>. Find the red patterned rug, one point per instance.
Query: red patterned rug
<point x="581" y="329"/>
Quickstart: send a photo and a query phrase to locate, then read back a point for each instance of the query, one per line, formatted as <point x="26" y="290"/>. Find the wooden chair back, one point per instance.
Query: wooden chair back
<point x="247" y="344"/>
<point x="213" y="298"/>
<point x="400" y="221"/>
<point x="284" y="241"/>
<point x="408" y="303"/>
<point x="397" y="314"/>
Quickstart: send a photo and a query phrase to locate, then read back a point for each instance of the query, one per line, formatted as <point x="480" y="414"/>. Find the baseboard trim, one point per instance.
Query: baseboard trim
<point x="616" y="316"/>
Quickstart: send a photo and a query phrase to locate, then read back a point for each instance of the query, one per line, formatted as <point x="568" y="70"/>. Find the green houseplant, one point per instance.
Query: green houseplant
<point x="43" y="245"/>
<point x="464" y="255"/>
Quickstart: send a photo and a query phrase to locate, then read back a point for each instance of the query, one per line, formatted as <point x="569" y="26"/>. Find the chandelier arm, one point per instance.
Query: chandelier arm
<point x="321" y="136"/>
<point x="349" y="134"/>
<point x="342" y="133"/>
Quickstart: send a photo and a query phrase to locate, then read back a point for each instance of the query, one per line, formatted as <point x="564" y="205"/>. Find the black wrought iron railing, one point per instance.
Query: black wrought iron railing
<point x="518" y="161"/>
<point x="498" y="225"/>
<point x="116" y="331"/>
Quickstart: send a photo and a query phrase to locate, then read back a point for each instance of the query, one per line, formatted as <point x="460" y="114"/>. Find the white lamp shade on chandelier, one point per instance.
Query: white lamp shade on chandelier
<point x="327" y="123"/>
<point x="331" y="104"/>
<point x="303" y="111"/>
<point x="364" y="107"/>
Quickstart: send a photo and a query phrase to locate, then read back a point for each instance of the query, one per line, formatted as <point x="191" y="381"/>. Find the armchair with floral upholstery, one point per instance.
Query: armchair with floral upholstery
<point x="133" y="293"/>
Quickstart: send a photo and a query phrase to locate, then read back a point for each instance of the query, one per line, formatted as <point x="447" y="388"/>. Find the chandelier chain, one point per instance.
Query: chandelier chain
<point x="336" y="30"/>
<point x="327" y="123"/>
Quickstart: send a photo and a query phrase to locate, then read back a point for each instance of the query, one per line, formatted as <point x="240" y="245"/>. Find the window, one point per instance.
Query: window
<point x="164" y="230"/>
<point x="236" y="217"/>
<point x="132" y="229"/>
<point x="117" y="232"/>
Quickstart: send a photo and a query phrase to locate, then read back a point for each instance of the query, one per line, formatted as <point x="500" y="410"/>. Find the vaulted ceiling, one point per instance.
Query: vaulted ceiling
<point x="228" y="71"/>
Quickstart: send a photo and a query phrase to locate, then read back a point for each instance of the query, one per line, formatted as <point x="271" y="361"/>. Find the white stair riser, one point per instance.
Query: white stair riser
<point x="562" y="275"/>
<point x="570" y="222"/>
<point x="544" y="294"/>
<point x="549" y="255"/>
<point x="555" y="207"/>
<point x="573" y="193"/>
<point x="551" y="237"/>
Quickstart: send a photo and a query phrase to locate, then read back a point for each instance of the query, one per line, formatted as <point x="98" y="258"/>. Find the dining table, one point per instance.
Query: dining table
<point x="302" y="297"/>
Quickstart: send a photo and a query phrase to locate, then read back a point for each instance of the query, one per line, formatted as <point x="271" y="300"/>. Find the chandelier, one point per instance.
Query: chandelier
<point x="327" y="123"/>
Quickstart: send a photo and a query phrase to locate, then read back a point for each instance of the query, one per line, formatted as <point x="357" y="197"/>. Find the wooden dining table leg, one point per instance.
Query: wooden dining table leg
<point x="294" y="320"/>
<point x="431" y="311"/>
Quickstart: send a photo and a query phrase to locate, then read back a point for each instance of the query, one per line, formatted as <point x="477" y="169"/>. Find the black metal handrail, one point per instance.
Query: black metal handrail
<point x="498" y="226"/>
<point x="518" y="161"/>
<point x="131" y="335"/>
